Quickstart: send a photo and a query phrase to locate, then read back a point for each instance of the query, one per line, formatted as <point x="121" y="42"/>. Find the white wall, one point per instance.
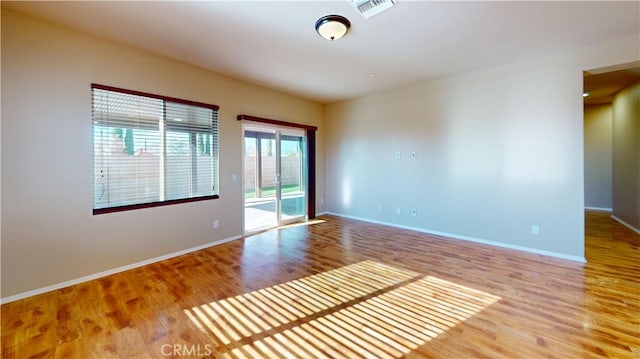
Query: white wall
<point x="598" y="154"/>
<point x="49" y="234"/>
<point x="626" y="155"/>
<point x="498" y="150"/>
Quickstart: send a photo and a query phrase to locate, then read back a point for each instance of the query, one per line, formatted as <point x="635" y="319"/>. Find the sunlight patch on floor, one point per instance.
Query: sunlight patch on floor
<point x="365" y="309"/>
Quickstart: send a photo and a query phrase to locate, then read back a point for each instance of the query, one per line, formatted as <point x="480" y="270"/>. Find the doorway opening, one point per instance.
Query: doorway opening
<point x="275" y="176"/>
<point x="611" y="159"/>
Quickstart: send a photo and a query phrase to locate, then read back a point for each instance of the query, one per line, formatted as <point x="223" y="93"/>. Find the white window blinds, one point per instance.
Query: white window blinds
<point x="151" y="150"/>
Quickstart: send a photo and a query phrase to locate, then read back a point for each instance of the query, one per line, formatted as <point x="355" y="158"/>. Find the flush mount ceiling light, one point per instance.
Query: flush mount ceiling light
<point x="332" y="27"/>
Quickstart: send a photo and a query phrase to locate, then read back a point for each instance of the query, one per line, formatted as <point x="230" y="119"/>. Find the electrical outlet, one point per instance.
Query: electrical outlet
<point x="398" y="155"/>
<point x="414" y="155"/>
<point x="216" y="224"/>
<point x="535" y="229"/>
<point x="414" y="212"/>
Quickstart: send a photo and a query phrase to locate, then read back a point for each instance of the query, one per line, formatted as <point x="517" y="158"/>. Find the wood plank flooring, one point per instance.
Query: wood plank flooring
<point x="340" y="288"/>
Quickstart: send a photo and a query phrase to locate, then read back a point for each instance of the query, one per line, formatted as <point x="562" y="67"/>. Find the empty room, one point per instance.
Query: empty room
<point x="320" y="179"/>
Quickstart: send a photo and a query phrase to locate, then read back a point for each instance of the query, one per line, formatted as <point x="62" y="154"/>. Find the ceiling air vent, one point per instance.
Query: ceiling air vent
<point x="368" y="8"/>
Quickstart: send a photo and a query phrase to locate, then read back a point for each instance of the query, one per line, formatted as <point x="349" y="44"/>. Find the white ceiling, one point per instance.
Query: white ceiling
<point x="274" y="44"/>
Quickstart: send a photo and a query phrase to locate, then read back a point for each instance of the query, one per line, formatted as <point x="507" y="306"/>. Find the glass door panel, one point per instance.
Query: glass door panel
<point x="260" y="181"/>
<point x="250" y="165"/>
<point x="292" y="177"/>
<point x="267" y="166"/>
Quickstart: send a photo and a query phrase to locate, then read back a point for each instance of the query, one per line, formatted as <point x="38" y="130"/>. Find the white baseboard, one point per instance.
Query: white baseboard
<point x="470" y="239"/>
<point x="598" y="209"/>
<point x="626" y="224"/>
<point x="111" y="271"/>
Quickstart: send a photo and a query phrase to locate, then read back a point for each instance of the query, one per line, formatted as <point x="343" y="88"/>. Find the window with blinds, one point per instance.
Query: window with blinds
<point x="151" y="150"/>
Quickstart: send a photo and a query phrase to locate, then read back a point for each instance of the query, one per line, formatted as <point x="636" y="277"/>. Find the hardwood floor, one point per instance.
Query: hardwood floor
<point x="347" y="289"/>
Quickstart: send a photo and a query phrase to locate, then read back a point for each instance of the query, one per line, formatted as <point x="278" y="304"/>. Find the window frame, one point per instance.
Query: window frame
<point x="165" y="99"/>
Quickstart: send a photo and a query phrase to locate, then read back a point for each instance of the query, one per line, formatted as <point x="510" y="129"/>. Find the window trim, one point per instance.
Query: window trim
<point x="129" y="207"/>
<point x="152" y="204"/>
<point x="159" y="97"/>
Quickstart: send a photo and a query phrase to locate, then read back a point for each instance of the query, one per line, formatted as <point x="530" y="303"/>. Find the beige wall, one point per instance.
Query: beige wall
<point x="626" y="155"/>
<point x="48" y="232"/>
<point x="498" y="150"/>
<point x="598" y="137"/>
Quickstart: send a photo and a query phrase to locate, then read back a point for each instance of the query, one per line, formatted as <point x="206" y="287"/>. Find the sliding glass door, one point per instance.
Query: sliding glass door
<point x="274" y="177"/>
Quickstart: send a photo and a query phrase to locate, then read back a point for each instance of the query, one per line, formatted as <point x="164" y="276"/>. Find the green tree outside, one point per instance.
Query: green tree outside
<point x="128" y="142"/>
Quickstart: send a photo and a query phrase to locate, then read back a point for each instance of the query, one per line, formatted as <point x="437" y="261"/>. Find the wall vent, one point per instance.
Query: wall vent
<point x="368" y="8"/>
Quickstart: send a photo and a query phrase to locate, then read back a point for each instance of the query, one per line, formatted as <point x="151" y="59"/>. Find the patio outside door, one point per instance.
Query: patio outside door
<point x="274" y="177"/>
